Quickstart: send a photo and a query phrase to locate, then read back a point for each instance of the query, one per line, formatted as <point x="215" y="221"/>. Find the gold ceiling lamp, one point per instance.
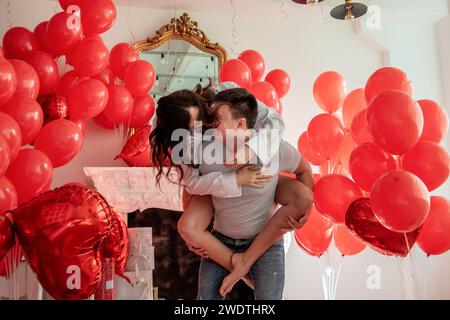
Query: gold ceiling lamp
<point x="309" y="2"/>
<point x="349" y="11"/>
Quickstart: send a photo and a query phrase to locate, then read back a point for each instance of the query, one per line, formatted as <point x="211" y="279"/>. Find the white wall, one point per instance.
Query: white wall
<point x="307" y="43"/>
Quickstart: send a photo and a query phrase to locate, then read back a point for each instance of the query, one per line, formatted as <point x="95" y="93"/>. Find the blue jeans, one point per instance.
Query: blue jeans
<point x="267" y="273"/>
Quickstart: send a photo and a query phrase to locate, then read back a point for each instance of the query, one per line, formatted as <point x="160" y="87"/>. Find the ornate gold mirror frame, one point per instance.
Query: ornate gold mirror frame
<point x="183" y="28"/>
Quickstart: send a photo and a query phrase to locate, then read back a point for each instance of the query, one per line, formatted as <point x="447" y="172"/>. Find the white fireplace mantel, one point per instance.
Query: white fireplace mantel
<point x="134" y="188"/>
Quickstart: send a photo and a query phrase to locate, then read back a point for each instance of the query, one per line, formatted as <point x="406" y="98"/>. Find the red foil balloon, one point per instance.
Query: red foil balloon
<point x="6" y="235"/>
<point x="54" y="107"/>
<point x="143" y="111"/>
<point x="28" y="83"/>
<point x="61" y="232"/>
<point x="363" y="223"/>
<point x="354" y="103"/>
<point x="19" y="43"/>
<point x="10" y="131"/>
<point x="435" y="121"/>
<point x="121" y="56"/>
<point x="31" y="174"/>
<point x="346" y="242"/>
<point x="280" y="80"/>
<point x="333" y="194"/>
<point x="87" y="99"/>
<point x="325" y="133"/>
<point x="330" y="90"/>
<point x="385" y="79"/>
<point x="64" y="32"/>
<point x="136" y="151"/>
<point x="255" y="62"/>
<point x="430" y="162"/>
<point x="395" y="121"/>
<point x="47" y="70"/>
<point x="434" y="239"/>
<point x="400" y="201"/>
<point x="264" y="92"/>
<point x="237" y="71"/>
<point x="97" y="16"/>
<point x="8" y="81"/>
<point x="139" y="77"/>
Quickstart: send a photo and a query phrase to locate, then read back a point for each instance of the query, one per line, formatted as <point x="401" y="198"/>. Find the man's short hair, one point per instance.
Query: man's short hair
<point x="242" y="104"/>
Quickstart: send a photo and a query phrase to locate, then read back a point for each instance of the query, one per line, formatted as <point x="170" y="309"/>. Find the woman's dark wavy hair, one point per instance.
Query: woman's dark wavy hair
<point x="172" y="114"/>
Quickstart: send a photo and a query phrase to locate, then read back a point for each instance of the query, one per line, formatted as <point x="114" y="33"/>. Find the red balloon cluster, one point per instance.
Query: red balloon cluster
<point x="387" y="150"/>
<point x="247" y="72"/>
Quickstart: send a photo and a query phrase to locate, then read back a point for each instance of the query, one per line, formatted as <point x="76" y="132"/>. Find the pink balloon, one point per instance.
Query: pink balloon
<point x="47" y="70"/>
<point x="280" y="80"/>
<point x="330" y="90"/>
<point x="89" y="58"/>
<point x="31" y="174"/>
<point x="264" y="92"/>
<point x="120" y="105"/>
<point x="435" y="119"/>
<point x="106" y="76"/>
<point x="67" y="82"/>
<point x="87" y="99"/>
<point x="64" y="32"/>
<point x="255" y="63"/>
<point x="97" y="16"/>
<point x="121" y="56"/>
<point x="28" y="83"/>
<point x="387" y="78"/>
<point x="8" y="81"/>
<point x="10" y="131"/>
<point x="19" y="43"/>
<point x="28" y="114"/>
<point x="400" y="201"/>
<point x="360" y="128"/>
<point x="354" y="103"/>
<point x="8" y="195"/>
<point x="5" y="157"/>
<point x="143" y="111"/>
<point x="237" y="71"/>
<point x="139" y="77"/>
<point x="325" y="132"/>
<point x="60" y="140"/>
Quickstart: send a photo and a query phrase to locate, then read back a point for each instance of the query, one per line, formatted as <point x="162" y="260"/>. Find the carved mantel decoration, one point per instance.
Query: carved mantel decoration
<point x="134" y="188"/>
<point x="183" y="28"/>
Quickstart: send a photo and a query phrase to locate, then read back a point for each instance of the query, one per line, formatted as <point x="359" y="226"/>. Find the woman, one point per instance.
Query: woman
<point x="180" y="110"/>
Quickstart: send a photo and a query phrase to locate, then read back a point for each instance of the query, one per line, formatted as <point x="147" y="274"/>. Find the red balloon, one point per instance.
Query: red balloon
<point x="10" y="131"/>
<point x="435" y="121"/>
<point x="325" y="132"/>
<point x="40" y="32"/>
<point x="307" y="151"/>
<point x="139" y="77"/>
<point x="237" y="71"/>
<point x="264" y="92"/>
<point x="81" y="124"/>
<point x="430" y="162"/>
<point x="89" y="58"/>
<point x="31" y="174"/>
<point x="67" y="82"/>
<point x="5" y="157"/>
<point x="106" y="76"/>
<point x="346" y="242"/>
<point x="315" y="236"/>
<point x="395" y="122"/>
<point x="64" y="32"/>
<point x="121" y="56"/>
<point x="97" y="16"/>
<point x="255" y="62"/>
<point x="60" y="140"/>
<point x="87" y="99"/>
<point x="363" y="223"/>
<point x="354" y="103"/>
<point x="47" y="70"/>
<point x="136" y="152"/>
<point x="330" y="90"/>
<point x="8" y="195"/>
<point x="61" y="232"/>
<point x="400" y="201"/>
<point x="360" y="128"/>
<point x="8" y="81"/>
<point x="104" y="122"/>
<point x="385" y="79"/>
<point x="369" y="162"/>
<point x="19" y="43"/>
<point x="345" y="151"/>
<point x="6" y="235"/>
<point x="28" y="114"/>
<point x="28" y="83"/>
<point x="280" y="80"/>
<point x="143" y="111"/>
<point x="67" y="3"/>
<point x="333" y="194"/>
<point x="434" y="239"/>
<point x="120" y="105"/>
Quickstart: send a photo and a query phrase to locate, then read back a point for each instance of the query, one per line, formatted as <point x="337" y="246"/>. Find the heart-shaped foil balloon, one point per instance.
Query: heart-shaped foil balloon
<point x="136" y="152"/>
<point x="6" y="235"/>
<point x="61" y="232"/>
<point x="362" y="222"/>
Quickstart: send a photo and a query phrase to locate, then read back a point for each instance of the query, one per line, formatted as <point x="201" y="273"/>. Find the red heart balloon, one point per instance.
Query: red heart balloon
<point x="362" y="222"/>
<point x="61" y="232"/>
<point x="6" y="235"/>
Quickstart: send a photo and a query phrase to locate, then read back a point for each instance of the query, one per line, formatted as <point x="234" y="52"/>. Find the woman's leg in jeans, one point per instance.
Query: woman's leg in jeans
<point x="296" y="200"/>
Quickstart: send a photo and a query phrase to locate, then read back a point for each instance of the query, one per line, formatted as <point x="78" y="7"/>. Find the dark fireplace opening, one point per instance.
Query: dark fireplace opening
<point x="176" y="268"/>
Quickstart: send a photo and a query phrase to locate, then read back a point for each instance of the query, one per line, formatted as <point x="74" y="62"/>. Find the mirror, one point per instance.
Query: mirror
<point x="183" y="56"/>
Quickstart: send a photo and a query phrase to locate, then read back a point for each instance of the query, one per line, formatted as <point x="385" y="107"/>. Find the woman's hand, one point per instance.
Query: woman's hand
<point x="251" y="176"/>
